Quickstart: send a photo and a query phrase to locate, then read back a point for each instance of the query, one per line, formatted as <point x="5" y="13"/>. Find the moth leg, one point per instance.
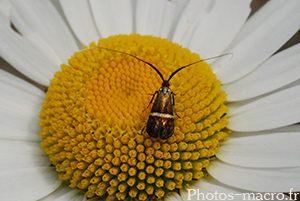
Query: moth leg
<point x="153" y="95"/>
<point x="143" y="130"/>
<point x="173" y="98"/>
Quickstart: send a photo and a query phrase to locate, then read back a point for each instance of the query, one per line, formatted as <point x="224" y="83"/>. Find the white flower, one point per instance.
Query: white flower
<point x="263" y="88"/>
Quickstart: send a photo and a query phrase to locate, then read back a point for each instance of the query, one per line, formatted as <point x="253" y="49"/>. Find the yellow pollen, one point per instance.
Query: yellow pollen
<point x="93" y="120"/>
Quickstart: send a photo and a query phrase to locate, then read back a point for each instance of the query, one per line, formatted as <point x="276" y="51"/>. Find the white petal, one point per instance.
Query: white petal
<point x="285" y="129"/>
<point x="295" y="83"/>
<point x="256" y="179"/>
<point x="20" y="105"/>
<point x="25" y="55"/>
<point x="281" y="69"/>
<point x="219" y="27"/>
<point x="44" y="20"/>
<point x="113" y="17"/>
<point x="21" y="155"/>
<point x="60" y="191"/>
<point x="269" y="112"/>
<point x="155" y="17"/>
<point x="167" y="18"/>
<point x="179" y="8"/>
<point x="267" y="35"/>
<point x="35" y="38"/>
<point x="273" y="150"/>
<point x="259" y="16"/>
<point x="80" y="18"/>
<point x="194" y="11"/>
<point x="65" y="193"/>
<point x="290" y="128"/>
<point x="28" y="184"/>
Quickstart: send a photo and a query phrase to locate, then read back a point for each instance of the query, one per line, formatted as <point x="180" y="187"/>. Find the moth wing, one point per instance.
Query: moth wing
<point x="159" y="127"/>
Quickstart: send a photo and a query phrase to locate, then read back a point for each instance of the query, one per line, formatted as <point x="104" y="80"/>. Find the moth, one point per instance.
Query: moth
<point x="161" y="120"/>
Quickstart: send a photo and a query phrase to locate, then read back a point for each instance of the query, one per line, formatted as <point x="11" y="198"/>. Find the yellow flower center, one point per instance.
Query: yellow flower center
<point x="93" y="119"/>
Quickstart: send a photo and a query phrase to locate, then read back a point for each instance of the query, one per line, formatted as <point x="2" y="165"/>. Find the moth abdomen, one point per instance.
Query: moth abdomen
<point x="160" y="125"/>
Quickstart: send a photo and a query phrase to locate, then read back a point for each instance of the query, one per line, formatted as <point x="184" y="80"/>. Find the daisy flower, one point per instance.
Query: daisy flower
<point x="236" y="135"/>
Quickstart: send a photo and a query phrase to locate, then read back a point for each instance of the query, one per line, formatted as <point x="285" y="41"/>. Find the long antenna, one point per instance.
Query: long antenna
<point x="165" y="82"/>
<point x="179" y="69"/>
<point x="161" y="76"/>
